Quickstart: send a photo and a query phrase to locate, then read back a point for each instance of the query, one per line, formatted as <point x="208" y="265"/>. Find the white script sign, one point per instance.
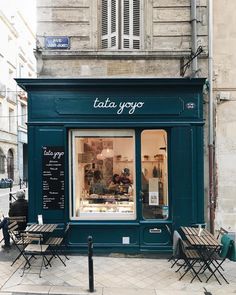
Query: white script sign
<point x="123" y="105"/>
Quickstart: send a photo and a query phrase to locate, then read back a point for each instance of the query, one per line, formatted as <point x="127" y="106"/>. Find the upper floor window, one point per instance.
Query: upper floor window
<point x="120" y="24"/>
<point x="11" y="120"/>
<point x="23" y="114"/>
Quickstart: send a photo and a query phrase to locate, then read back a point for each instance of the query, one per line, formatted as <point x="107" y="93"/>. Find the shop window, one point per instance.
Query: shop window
<point x="2" y="162"/>
<point x="154" y="174"/>
<point x="102" y="174"/>
<point x="120" y="24"/>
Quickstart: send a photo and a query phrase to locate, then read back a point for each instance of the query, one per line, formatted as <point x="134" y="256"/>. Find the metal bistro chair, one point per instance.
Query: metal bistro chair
<point x="218" y="258"/>
<point x="176" y="248"/>
<point x="17" y="240"/>
<point x="183" y="251"/>
<point x="35" y="248"/>
<point x="57" y="242"/>
<point x="20" y="220"/>
<point x="221" y="232"/>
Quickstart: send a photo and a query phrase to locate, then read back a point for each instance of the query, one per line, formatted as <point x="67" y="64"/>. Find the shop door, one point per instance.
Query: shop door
<point x="155" y="223"/>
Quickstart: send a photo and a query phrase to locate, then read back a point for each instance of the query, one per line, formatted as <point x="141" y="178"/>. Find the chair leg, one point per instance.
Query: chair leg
<point x="24" y="267"/>
<point x="190" y="266"/>
<point x="55" y="254"/>
<point x="217" y="270"/>
<point x="43" y="262"/>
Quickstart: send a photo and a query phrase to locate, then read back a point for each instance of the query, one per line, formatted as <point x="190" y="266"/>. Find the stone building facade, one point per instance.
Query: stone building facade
<point x="16" y="60"/>
<point x="224" y="41"/>
<point x="170" y="34"/>
<point x="165" y="40"/>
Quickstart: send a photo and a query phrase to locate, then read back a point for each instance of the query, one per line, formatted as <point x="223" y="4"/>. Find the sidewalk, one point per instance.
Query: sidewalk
<point x="114" y="275"/>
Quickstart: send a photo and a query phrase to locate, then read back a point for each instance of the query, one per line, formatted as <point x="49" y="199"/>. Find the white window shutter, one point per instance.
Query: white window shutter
<point x="104" y="24"/>
<point x="131" y="24"/>
<point x="110" y="24"/>
<point x="136" y="24"/>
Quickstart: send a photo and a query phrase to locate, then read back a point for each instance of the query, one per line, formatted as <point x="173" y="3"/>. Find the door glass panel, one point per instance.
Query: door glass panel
<point x="155" y="203"/>
<point x="103" y="178"/>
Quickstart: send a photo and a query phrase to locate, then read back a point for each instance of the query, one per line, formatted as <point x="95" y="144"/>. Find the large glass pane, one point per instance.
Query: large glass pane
<point x="103" y="184"/>
<point x="154" y="174"/>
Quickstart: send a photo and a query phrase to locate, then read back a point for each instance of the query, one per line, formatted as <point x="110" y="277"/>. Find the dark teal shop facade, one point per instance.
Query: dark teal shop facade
<point x="58" y="107"/>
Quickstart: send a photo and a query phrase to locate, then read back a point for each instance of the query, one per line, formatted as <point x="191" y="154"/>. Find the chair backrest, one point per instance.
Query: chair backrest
<point x="20" y="220"/>
<point x="12" y="227"/>
<point x="221" y="232"/>
<point x="17" y="219"/>
<point x="13" y="230"/>
<point x="32" y="237"/>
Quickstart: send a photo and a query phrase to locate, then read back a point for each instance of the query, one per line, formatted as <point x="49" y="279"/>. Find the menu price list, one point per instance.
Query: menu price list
<point x="53" y="178"/>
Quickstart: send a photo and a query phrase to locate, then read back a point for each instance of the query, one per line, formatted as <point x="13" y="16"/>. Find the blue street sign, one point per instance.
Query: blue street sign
<point x="57" y="42"/>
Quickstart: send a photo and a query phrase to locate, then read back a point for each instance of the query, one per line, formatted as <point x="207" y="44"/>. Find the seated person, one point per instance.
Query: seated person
<point x="115" y="184"/>
<point x="17" y="208"/>
<point x="125" y="181"/>
<point x="97" y="185"/>
<point x="20" y="208"/>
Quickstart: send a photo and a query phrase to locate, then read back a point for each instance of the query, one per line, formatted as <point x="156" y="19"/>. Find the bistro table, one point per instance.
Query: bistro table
<point x="45" y="230"/>
<point x="205" y="244"/>
<point x="41" y="228"/>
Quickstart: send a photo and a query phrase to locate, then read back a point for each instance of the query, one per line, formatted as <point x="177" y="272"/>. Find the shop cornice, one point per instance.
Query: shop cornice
<point x="46" y="83"/>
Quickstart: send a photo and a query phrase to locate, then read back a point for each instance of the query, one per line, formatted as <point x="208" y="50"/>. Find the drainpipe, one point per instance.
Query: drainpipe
<point x="194" y="36"/>
<point x="212" y="200"/>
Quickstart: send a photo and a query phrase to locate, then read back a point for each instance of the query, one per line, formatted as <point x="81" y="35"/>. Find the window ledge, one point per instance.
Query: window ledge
<point x="81" y="54"/>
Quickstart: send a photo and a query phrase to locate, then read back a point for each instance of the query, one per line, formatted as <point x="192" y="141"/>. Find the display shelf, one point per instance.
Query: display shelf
<point x="106" y="205"/>
<point x="118" y="207"/>
<point x="123" y="161"/>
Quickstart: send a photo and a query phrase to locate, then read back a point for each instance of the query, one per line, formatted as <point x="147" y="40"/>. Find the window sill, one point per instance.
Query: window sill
<point x="113" y="54"/>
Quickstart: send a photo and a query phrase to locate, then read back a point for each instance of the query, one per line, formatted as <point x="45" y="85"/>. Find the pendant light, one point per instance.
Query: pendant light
<point x="108" y="153"/>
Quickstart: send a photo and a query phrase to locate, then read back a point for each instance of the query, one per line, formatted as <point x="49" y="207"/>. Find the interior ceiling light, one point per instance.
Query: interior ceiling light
<point x="107" y="153"/>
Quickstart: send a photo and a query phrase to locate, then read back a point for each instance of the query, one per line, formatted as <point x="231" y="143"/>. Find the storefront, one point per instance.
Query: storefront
<point x="119" y="159"/>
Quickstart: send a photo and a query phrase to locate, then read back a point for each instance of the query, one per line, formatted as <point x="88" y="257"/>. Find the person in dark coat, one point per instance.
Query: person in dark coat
<point x="20" y="208"/>
<point x="17" y="208"/>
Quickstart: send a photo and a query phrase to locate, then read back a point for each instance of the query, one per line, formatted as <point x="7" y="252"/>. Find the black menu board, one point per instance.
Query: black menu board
<point x="53" y="177"/>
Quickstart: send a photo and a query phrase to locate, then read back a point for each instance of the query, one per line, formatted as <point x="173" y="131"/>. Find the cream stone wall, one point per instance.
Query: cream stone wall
<point x="165" y="39"/>
<point x="225" y="95"/>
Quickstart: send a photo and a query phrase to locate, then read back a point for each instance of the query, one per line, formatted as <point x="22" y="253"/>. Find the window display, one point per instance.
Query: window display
<point x="103" y="174"/>
<point x="154" y="174"/>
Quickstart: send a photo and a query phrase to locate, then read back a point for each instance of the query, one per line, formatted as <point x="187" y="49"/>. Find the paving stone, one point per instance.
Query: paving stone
<point x="111" y="276"/>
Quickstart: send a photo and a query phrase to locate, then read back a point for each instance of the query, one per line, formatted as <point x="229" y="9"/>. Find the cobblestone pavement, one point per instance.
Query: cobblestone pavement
<point x="114" y="275"/>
